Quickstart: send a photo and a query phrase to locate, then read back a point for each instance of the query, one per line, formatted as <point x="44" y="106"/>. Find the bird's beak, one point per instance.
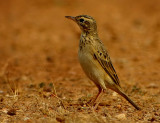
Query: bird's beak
<point x="71" y="17"/>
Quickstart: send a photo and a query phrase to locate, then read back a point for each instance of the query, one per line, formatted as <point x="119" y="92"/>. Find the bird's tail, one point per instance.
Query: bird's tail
<point x="119" y="91"/>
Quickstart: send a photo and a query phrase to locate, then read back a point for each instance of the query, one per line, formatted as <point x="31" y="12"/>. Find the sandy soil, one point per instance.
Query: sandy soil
<point x="41" y="79"/>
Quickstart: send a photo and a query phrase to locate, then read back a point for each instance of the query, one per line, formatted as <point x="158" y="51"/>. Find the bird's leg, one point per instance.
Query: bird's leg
<point x="98" y="98"/>
<point x="93" y="100"/>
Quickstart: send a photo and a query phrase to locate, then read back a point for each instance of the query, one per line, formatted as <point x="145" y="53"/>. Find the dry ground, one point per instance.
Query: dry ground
<point x="41" y="79"/>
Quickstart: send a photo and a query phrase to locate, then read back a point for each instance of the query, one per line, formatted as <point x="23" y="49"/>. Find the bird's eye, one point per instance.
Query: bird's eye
<point x="81" y="20"/>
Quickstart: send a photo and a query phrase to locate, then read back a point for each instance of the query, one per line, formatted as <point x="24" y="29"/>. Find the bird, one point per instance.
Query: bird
<point x="95" y="60"/>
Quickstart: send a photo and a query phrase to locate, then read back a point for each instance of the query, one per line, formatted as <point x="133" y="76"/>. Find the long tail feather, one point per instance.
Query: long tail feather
<point x="119" y="91"/>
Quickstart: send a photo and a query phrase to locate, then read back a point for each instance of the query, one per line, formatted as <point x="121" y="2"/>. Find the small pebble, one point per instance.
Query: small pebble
<point x="119" y="106"/>
<point x="1" y="92"/>
<point x="152" y="85"/>
<point x="26" y="118"/>
<point x="121" y="116"/>
<point x="114" y="94"/>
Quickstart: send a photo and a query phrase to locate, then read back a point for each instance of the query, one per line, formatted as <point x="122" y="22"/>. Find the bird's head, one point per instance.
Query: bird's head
<point x="85" y="22"/>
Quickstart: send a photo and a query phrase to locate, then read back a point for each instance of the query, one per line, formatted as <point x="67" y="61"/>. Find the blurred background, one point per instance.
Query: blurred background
<point x="38" y="44"/>
<point x="37" y="41"/>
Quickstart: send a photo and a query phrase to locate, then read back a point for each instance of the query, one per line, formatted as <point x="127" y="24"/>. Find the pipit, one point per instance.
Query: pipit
<point x="95" y="61"/>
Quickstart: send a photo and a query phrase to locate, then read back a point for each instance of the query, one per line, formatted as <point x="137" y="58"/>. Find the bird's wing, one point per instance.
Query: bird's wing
<point x="104" y="60"/>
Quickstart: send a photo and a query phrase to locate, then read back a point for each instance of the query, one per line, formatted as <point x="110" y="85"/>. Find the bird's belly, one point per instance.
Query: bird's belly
<point x="91" y="67"/>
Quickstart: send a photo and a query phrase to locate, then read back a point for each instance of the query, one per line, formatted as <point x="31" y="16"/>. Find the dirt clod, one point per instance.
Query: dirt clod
<point x="11" y="112"/>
